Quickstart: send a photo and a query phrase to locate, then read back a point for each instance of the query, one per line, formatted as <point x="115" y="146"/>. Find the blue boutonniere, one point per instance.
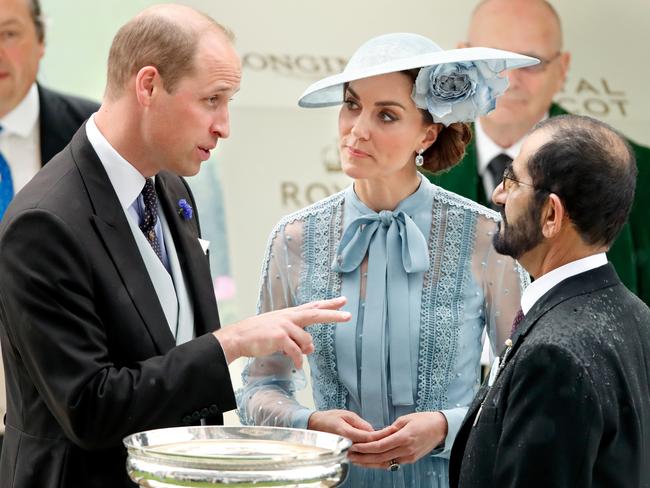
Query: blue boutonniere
<point x="185" y="209"/>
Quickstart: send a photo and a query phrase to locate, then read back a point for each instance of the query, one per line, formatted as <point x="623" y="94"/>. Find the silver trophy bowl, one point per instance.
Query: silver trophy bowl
<point x="210" y="456"/>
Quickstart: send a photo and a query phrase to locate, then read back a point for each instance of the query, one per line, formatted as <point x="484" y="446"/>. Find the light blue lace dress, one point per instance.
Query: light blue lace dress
<point x="422" y="283"/>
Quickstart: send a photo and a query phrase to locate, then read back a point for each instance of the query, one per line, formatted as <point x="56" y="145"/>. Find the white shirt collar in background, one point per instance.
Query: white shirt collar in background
<point x="21" y="121"/>
<point x="486" y="150"/>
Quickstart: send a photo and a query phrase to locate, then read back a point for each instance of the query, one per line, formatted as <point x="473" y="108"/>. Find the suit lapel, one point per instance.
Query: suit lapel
<point x="51" y="122"/>
<point x="458" y="448"/>
<point x="113" y="229"/>
<point x="193" y="261"/>
<point x="580" y="284"/>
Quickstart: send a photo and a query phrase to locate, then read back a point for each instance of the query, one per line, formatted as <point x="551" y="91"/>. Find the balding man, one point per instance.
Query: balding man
<point x="533" y="27"/>
<point x="567" y="403"/>
<point x="108" y="319"/>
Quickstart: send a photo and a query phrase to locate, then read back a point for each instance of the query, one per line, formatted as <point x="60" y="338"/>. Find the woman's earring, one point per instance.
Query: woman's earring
<point x="419" y="159"/>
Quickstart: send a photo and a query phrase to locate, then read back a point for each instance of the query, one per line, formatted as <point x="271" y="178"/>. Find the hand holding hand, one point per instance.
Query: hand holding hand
<point x="407" y="440"/>
<point x="344" y="423"/>
<point x="280" y="330"/>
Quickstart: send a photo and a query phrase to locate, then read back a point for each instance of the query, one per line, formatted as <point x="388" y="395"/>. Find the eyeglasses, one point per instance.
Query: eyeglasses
<point x="509" y="180"/>
<point x="543" y="63"/>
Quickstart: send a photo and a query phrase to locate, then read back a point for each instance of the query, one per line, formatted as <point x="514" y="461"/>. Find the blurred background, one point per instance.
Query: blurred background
<point x="279" y="157"/>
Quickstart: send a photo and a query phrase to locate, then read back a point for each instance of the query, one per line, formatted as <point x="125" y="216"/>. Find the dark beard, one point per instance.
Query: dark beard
<point x="516" y="239"/>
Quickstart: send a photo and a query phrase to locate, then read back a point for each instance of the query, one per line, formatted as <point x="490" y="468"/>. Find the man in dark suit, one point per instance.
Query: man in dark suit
<point x="567" y="403"/>
<point x="35" y="122"/>
<point x="108" y="320"/>
<point x="533" y="27"/>
<point x="59" y="118"/>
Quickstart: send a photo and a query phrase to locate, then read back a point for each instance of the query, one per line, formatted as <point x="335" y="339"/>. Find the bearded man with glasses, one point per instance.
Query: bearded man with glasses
<point x="566" y="404"/>
<point x="533" y="27"/>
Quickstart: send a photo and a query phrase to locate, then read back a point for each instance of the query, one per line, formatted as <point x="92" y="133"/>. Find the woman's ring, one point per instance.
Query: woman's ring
<point x="393" y="465"/>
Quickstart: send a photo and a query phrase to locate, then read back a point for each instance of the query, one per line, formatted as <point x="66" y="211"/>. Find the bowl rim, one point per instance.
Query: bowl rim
<point x="237" y="461"/>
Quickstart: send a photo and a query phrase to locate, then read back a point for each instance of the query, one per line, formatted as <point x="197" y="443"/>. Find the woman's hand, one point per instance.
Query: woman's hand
<point x="344" y="423"/>
<point x="407" y="440"/>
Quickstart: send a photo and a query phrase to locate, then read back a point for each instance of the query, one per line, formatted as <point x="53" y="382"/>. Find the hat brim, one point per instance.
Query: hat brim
<point x="329" y="91"/>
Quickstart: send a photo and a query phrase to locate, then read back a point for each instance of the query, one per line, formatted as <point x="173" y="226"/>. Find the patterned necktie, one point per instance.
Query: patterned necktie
<point x="150" y="217"/>
<point x="517" y="320"/>
<point x="496" y="167"/>
<point x="6" y="184"/>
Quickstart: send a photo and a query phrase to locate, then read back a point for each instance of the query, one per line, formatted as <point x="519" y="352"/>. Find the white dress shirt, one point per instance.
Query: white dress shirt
<point x="20" y="139"/>
<point x="543" y="284"/>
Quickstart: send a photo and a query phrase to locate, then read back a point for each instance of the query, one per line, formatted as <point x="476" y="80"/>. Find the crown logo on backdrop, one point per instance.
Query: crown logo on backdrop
<point x="330" y="158"/>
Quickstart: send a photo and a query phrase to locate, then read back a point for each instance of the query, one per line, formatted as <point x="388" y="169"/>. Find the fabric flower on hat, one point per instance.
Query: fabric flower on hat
<point x="459" y="92"/>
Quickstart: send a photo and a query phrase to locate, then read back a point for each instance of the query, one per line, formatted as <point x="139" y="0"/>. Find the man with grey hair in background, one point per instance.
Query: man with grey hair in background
<point x="533" y="27"/>
<point x="108" y="317"/>
<point x="35" y="122"/>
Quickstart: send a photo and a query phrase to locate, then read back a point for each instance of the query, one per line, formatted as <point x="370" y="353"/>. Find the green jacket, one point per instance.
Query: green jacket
<point x="630" y="253"/>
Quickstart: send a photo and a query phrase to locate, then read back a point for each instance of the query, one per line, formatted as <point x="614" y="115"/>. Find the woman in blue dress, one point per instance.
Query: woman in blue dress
<point x="415" y="262"/>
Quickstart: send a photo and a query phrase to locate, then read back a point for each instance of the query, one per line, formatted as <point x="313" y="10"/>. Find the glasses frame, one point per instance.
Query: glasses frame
<point x="509" y="176"/>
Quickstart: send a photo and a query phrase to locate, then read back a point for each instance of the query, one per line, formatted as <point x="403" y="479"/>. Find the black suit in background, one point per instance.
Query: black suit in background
<point x="571" y="407"/>
<point x="89" y="357"/>
<point x="59" y="118"/>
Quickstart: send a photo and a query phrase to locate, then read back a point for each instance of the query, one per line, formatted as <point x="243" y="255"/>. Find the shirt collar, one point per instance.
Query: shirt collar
<point x="487" y="149"/>
<point x="127" y="181"/>
<point x="22" y="119"/>
<point x="543" y="284"/>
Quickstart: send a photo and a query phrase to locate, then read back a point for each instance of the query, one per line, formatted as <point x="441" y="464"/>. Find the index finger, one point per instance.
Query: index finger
<point x="303" y="318"/>
<point x="330" y="304"/>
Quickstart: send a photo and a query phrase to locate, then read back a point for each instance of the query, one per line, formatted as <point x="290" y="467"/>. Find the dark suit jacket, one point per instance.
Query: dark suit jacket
<point x="59" y="118"/>
<point x="89" y="357"/>
<point x="571" y="406"/>
<point x="630" y="253"/>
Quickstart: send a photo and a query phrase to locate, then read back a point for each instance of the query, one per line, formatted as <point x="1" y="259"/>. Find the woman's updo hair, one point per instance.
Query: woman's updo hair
<point x="449" y="148"/>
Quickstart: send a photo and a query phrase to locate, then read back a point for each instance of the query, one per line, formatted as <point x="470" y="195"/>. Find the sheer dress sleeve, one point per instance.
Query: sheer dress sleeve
<point x="269" y="383"/>
<point x="502" y="279"/>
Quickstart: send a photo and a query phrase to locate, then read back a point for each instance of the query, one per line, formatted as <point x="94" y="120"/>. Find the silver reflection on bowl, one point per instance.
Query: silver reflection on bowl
<point x="236" y="456"/>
